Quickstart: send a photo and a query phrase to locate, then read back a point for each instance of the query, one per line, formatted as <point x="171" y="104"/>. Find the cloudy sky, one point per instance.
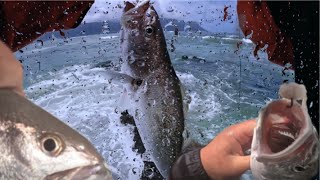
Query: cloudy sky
<point x="209" y="13"/>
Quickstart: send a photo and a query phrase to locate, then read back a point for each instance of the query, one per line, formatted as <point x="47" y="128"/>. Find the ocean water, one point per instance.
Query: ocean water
<point x="67" y="77"/>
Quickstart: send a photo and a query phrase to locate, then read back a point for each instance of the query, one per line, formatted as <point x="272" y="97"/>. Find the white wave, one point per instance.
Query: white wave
<point x="208" y="37"/>
<point x="248" y="41"/>
<point x="204" y="106"/>
<point x="85" y="101"/>
<point x="108" y="37"/>
<point x="228" y="38"/>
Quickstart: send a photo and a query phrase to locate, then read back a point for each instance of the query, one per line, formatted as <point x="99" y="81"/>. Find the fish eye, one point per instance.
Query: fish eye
<point x="149" y="30"/>
<point x="51" y="144"/>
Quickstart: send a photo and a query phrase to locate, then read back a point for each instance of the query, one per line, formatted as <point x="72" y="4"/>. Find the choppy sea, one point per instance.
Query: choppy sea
<point x="226" y="85"/>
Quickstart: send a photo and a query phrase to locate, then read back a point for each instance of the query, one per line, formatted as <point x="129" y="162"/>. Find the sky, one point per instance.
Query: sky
<point x="209" y="13"/>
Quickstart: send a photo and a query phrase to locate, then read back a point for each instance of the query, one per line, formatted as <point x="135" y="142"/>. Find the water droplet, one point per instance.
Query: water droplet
<point x="166" y="142"/>
<point x="149" y="173"/>
<point x="170" y="9"/>
<point x="141" y="64"/>
<point x="102" y="51"/>
<point x="105" y="31"/>
<point x="200" y="12"/>
<point x="39" y="44"/>
<point x="135" y="32"/>
<point x="84" y="50"/>
<point x="166" y="131"/>
<point x="131" y="59"/>
<point x="134" y="170"/>
<point x="187" y="28"/>
<point x="82" y="32"/>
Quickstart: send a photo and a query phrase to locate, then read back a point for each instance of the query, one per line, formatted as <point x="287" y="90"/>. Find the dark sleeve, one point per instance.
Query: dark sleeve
<point x="188" y="166"/>
<point x="21" y="22"/>
<point x="316" y="177"/>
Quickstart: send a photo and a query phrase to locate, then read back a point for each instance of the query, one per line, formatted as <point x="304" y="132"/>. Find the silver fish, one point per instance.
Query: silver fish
<point x="285" y="143"/>
<point x="155" y="93"/>
<point x="35" y="145"/>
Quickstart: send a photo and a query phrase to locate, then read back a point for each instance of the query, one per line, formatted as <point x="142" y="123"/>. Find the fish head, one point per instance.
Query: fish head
<point x="35" y="144"/>
<point x="285" y="143"/>
<point x="141" y="38"/>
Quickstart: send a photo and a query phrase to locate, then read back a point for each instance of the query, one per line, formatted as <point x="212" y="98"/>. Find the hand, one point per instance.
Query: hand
<point x="223" y="158"/>
<point x="11" y="72"/>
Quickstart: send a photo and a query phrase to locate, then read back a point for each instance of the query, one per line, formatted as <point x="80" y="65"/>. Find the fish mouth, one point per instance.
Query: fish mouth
<point x="282" y="135"/>
<point x="92" y="172"/>
<point x="134" y="11"/>
<point x="138" y="9"/>
<point x="282" y="126"/>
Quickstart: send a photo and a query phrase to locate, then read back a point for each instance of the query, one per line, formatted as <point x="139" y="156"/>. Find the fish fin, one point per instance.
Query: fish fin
<point x="186" y="99"/>
<point x="123" y="102"/>
<point x="188" y="143"/>
<point x="119" y="77"/>
<point x="126" y="118"/>
<point x="125" y="79"/>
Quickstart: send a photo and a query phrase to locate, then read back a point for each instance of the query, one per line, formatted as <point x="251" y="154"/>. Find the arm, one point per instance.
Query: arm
<point x="222" y="158"/>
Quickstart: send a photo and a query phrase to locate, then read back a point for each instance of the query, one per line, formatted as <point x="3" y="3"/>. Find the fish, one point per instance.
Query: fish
<point x="285" y="144"/>
<point x="36" y="145"/>
<point x="155" y="93"/>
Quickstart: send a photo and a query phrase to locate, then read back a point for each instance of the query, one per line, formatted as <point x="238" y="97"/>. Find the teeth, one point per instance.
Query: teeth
<point x="285" y="133"/>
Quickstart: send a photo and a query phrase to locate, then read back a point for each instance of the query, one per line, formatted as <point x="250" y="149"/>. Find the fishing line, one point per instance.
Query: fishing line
<point x="240" y="75"/>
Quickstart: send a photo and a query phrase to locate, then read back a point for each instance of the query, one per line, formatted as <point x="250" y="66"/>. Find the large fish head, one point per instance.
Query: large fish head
<point x="36" y="145"/>
<point x="142" y="40"/>
<point x="285" y="143"/>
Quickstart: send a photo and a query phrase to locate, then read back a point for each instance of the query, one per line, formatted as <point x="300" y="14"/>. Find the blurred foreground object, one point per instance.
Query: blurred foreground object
<point x="36" y="145"/>
<point x="21" y="22"/>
